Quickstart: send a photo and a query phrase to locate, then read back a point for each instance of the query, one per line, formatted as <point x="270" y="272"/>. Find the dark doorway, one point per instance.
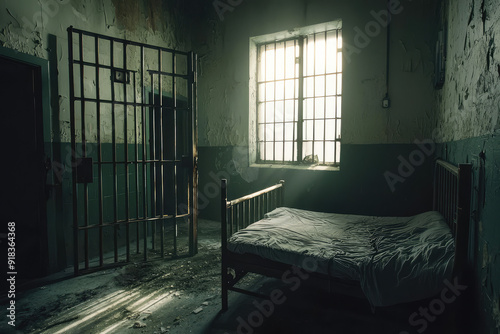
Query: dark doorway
<point x="23" y="186"/>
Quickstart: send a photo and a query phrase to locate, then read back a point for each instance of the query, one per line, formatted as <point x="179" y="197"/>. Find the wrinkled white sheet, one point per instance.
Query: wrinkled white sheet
<point x="395" y="259"/>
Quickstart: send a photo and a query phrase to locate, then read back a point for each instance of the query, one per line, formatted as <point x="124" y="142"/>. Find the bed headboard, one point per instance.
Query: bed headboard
<point x="452" y="197"/>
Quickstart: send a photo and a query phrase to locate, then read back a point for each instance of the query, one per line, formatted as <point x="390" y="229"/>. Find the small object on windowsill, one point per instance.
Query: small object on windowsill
<point x="310" y="159"/>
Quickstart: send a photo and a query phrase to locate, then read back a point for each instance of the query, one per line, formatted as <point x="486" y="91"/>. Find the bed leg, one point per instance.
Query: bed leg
<point x="224" y="298"/>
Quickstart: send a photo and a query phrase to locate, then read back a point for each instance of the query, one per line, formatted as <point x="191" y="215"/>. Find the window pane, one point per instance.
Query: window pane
<point x="262" y="92"/>
<point x="340" y="39"/>
<point x="306" y="149"/>
<point x="261" y="116"/>
<point x="330" y="129"/>
<point x="309" y="54"/>
<point x="262" y="63"/>
<point x="261" y="130"/>
<point x="262" y="151"/>
<point x="289" y="105"/>
<point x="269" y="112"/>
<point x="270" y="91"/>
<point x="330" y="107"/>
<point x="290" y="59"/>
<point x="279" y="111"/>
<point x="288" y="152"/>
<point x="320" y="53"/>
<point x="329" y="152"/>
<point x="331" y="84"/>
<point x="309" y="87"/>
<point x="278" y="130"/>
<point x="320" y="86"/>
<point x="319" y="130"/>
<point x="278" y="153"/>
<point x="308" y="112"/>
<point x="339" y="61"/>
<point x="318" y="151"/>
<point x="319" y="108"/>
<point x="280" y="90"/>
<point x="269" y="132"/>
<point x="280" y="61"/>
<point x="289" y="89"/>
<point x="269" y="151"/>
<point x="331" y="52"/>
<point x="338" y="128"/>
<point x="270" y="62"/>
<point x="289" y="131"/>
<point x="308" y="130"/>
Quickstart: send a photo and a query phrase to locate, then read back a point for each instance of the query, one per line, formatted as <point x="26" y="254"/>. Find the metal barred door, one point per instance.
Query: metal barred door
<point x="133" y="143"/>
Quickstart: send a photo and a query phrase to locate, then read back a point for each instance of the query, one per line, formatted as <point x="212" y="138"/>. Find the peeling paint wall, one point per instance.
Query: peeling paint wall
<point x="469" y="103"/>
<point x="224" y="62"/>
<point x="467" y="119"/>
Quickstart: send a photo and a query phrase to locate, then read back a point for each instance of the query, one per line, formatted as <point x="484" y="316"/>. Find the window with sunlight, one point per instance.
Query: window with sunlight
<point x="299" y="90"/>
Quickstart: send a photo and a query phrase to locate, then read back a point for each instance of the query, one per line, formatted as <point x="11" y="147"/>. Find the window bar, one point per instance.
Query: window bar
<point x="115" y="176"/>
<point x="265" y="102"/>
<point x="300" y="122"/>
<point x="274" y="102"/>
<point x="144" y="161"/>
<point x="73" y="148"/>
<point x="324" y="103"/>
<point x="125" y="139"/>
<point x="162" y="166"/>
<point x="284" y="99"/>
<point x="174" y="90"/>
<point x="83" y="153"/>
<point x="336" y="97"/>
<point x="99" y="144"/>
<point x="294" y="142"/>
<point x="313" y="112"/>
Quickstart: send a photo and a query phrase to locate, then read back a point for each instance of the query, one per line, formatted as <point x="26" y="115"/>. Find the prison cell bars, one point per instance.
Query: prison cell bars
<point x="82" y="100"/>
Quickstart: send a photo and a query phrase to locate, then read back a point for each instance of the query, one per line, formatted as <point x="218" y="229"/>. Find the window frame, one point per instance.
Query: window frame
<point x="299" y="35"/>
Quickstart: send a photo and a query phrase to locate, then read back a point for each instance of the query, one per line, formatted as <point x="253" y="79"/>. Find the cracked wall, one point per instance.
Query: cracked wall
<point x="467" y="119"/>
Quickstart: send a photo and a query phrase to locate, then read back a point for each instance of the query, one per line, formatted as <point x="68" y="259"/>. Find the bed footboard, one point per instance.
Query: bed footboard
<point x="238" y="214"/>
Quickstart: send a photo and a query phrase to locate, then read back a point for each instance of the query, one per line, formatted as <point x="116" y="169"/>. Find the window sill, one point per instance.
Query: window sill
<point x="299" y="167"/>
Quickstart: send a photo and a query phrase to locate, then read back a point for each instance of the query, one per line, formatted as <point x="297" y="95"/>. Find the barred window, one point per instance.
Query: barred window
<point x="299" y="99"/>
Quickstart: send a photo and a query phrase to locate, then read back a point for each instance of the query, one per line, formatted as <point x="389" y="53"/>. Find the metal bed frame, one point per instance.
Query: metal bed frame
<point x="452" y="194"/>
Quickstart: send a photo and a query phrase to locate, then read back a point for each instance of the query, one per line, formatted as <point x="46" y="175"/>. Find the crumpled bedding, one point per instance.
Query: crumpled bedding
<point x="395" y="259"/>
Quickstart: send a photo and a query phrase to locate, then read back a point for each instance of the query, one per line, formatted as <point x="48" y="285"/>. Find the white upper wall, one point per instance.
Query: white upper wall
<point x="223" y="48"/>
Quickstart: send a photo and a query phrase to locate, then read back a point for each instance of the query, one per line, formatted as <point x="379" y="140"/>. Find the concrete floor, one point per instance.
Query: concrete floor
<point x="183" y="296"/>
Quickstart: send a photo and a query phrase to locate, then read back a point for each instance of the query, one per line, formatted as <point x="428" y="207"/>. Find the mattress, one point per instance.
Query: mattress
<point x="395" y="259"/>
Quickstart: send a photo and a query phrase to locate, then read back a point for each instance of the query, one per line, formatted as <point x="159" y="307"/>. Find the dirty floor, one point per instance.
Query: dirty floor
<point x="182" y="296"/>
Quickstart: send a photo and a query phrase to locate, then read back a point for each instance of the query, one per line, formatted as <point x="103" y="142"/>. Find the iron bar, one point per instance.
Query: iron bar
<point x="73" y="149"/>
<point x="125" y="143"/>
<point x="115" y="176"/>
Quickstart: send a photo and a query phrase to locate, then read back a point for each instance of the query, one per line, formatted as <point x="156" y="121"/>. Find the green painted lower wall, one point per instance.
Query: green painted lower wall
<point x="484" y="153"/>
<point x="393" y="179"/>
